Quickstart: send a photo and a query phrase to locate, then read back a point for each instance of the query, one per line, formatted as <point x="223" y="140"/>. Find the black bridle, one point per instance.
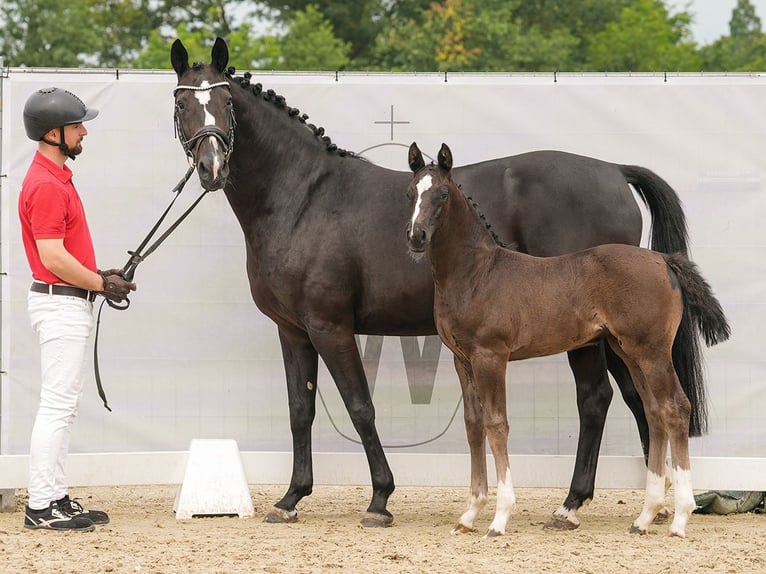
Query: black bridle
<point x="190" y="144"/>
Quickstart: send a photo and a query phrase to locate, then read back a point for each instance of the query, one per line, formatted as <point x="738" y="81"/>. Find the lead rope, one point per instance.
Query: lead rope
<point x="128" y="271"/>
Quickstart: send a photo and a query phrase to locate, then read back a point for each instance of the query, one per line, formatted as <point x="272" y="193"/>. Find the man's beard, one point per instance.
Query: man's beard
<point x="77" y="149"/>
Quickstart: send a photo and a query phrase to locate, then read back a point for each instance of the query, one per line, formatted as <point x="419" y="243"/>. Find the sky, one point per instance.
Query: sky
<point x="711" y="17"/>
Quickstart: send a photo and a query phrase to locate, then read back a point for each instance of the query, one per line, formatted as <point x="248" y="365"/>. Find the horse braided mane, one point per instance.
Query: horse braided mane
<point x="279" y="101"/>
<point x="488" y="226"/>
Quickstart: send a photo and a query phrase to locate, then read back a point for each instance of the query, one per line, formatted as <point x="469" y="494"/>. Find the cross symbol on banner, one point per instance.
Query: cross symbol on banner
<point x="391" y="122"/>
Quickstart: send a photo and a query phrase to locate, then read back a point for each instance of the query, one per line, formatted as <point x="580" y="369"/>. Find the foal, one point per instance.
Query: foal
<point x="493" y="305"/>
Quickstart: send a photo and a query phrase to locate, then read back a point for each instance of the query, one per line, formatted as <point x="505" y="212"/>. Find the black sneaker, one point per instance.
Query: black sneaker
<point x="74" y="509"/>
<point x="52" y="518"/>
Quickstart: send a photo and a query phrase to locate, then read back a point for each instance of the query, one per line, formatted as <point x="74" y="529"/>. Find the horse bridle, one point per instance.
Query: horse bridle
<point x="190" y="145"/>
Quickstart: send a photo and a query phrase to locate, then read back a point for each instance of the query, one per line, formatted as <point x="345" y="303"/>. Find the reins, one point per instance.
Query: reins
<point x="136" y="257"/>
<point x="189" y="145"/>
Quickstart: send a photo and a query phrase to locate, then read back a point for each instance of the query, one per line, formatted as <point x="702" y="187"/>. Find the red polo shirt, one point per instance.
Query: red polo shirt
<point x="50" y="208"/>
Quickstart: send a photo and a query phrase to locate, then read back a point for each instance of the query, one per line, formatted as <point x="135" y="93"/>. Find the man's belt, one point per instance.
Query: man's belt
<point x="67" y="290"/>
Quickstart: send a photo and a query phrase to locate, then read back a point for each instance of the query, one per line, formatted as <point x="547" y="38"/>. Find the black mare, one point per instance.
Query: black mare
<point x="316" y="217"/>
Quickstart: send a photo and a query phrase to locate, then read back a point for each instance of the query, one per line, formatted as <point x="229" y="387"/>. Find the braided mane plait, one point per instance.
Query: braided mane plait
<point x="280" y="102"/>
<point x="483" y="219"/>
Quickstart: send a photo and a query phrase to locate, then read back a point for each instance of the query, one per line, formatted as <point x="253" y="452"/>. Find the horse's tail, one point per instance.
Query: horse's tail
<point x="668" y="230"/>
<point x="703" y="314"/>
<point x="669" y="235"/>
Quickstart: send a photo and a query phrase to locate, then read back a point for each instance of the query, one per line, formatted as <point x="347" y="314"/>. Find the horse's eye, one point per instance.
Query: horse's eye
<point x="180" y="105"/>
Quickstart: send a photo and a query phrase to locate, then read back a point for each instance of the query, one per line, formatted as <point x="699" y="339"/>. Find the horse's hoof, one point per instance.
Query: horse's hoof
<point x="491" y="533"/>
<point x="556" y="523"/>
<point x="374" y="520"/>
<point x="279" y="516"/>
<point x="662" y="516"/>
<point x="636" y="530"/>
<point x="672" y="534"/>
<point x="461" y="529"/>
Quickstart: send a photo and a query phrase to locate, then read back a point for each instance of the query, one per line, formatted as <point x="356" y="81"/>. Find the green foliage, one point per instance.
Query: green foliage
<point x="744" y="50"/>
<point x="645" y="38"/>
<point x="453" y="35"/>
<point x="386" y="35"/>
<point x="309" y="44"/>
<point x="38" y="33"/>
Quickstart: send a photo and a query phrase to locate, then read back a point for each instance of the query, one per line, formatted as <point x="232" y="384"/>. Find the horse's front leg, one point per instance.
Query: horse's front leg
<point x="474" y="428"/>
<point x="338" y="349"/>
<point x="594" y="394"/>
<point x="489" y="375"/>
<point x="301" y="360"/>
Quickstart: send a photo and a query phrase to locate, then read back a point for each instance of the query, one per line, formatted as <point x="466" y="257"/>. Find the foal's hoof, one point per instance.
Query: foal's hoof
<point x="556" y="523"/>
<point x="279" y="516"/>
<point x="375" y="520"/>
<point x="462" y="529"/>
<point x="662" y="516"/>
<point x="491" y="533"/>
<point x="636" y="530"/>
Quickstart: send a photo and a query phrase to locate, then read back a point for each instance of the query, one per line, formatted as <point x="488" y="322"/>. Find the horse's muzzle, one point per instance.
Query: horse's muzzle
<point x="416" y="239"/>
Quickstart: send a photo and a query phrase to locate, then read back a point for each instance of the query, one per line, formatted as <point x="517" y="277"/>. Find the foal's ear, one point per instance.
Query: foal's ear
<point x="444" y="158"/>
<point x="179" y="57"/>
<point x="415" y="158"/>
<point x="219" y="54"/>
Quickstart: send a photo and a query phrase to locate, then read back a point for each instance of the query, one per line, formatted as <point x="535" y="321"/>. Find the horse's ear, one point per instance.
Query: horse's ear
<point x="415" y="158"/>
<point x="219" y="54"/>
<point x="179" y="57"/>
<point x="445" y="158"/>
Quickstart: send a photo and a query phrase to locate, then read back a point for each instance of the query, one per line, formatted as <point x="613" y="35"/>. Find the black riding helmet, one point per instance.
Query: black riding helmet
<point x="52" y="108"/>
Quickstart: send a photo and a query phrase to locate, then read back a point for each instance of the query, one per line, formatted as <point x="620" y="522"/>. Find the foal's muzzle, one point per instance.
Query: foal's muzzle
<point x="416" y="238"/>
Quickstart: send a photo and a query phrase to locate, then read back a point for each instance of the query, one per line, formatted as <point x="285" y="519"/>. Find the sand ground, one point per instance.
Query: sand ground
<point x="144" y="536"/>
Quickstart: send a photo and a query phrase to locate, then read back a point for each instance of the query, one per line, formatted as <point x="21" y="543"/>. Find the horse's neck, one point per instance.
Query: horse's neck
<point x="275" y="163"/>
<point x="461" y="246"/>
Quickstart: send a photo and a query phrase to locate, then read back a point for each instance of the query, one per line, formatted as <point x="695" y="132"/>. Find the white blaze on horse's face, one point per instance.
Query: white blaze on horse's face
<point x="203" y="97"/>
<point x="423" y="185"/>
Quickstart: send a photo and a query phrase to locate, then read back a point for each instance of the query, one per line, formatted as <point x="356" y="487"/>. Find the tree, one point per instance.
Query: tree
<point x="356" y="23"/>
<point x="38" y="33"/>
<point x="580" y="20"/>
<point x="744" y="49"/>
<point x="645" y="38"/>
<point x="453" y="35"/>
<point x="309" y="44"/>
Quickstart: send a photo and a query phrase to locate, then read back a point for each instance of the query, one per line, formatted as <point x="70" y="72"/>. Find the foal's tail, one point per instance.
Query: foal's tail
<point x="702" y="312"/>
<point x="669" y="235"/>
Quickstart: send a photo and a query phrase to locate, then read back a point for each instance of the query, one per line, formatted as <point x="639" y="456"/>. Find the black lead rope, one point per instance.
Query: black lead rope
<point x="129" y="270"/>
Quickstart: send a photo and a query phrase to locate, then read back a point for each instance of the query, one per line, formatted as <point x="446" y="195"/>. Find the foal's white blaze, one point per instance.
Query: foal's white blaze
<point x="506" y="503"/>
<point x="423" y="185"/>
<point x="684" y="500"/>
<point x="203" y="97"/>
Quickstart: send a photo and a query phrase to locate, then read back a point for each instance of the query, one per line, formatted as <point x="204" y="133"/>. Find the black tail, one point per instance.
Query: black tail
<point x="669" y="235"/>
<point x="702" y="314"/>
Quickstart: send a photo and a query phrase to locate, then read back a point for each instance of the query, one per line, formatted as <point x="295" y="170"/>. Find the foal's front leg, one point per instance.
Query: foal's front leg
<point x="489" y="374"/>
<point x="474" y="428"/>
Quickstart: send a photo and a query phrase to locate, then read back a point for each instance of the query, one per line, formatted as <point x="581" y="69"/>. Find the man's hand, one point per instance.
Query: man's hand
<point x="116" y="288"/>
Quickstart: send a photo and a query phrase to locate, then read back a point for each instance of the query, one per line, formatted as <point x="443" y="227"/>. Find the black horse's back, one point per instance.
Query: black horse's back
<point x="547" y="201"/>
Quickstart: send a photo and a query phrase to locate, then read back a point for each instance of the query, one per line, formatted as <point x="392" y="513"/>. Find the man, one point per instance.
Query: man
<point x="62" y="259"/>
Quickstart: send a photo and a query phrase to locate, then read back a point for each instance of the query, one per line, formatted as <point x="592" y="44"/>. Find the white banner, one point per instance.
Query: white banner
<point x="194" y="358"/>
